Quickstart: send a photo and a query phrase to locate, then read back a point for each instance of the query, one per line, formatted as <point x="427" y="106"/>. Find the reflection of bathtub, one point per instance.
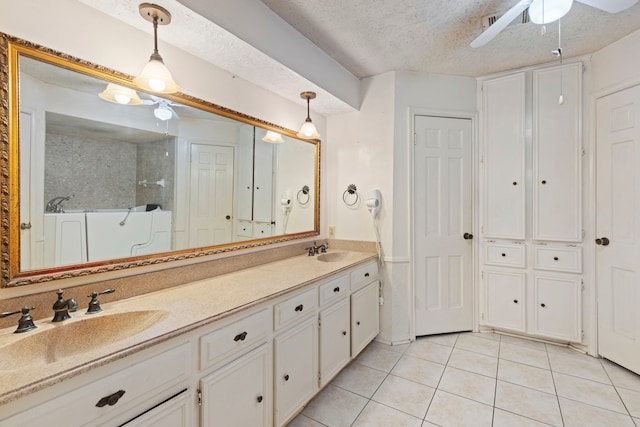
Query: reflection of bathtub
<point x="75" y="237"/>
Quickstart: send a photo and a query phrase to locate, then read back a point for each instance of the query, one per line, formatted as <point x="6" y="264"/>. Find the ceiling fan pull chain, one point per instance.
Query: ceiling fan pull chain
<point x="561" y="97"/>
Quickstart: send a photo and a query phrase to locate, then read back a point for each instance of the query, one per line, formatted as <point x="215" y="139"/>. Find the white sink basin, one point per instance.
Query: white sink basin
<point x="332" y="256"/>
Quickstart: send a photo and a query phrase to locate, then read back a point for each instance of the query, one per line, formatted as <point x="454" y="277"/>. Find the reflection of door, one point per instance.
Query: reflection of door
<point x="442" y="212"/>
<point x="211" y="195"/>
<point x="618" y="204"/>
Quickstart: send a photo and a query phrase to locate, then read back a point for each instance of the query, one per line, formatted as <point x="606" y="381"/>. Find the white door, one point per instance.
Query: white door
<point x="442" y="222"/>
<point x="211" y="195"/>
<point x="618" y="204"/>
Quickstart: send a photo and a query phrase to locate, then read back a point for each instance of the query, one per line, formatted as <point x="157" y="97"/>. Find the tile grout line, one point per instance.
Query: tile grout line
<point x="495" y="388"/>
<point x="617" y="392"/>
<point x="555" y="388"/>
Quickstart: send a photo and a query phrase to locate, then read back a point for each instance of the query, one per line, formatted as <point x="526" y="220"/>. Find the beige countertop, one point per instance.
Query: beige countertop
<point x="29" y="362"/>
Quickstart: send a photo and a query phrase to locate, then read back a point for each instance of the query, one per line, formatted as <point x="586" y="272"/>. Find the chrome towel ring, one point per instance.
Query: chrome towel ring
<point x="303" y="196"/>
<point x="350" y="196"/>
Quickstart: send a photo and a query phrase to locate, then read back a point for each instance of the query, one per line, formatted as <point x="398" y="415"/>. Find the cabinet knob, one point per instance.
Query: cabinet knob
<point x="515" y="183"/>
<point x="110" y="400"/>
<point x="259" y="399"/>
<point x="366" y="274"/>
<point x="286" y="377"/>
<point x="544" y="181"/>
<point x="299" y="307"/>
<point x="467" y="236"/>
<point x="240" y="337"/>
<point x="344" y="333"/>
<point x="336" y="289"/>
<point x="602" y="241"/>
<point x="543" y="305"/>
<point x="358" y="323"/>
<point x="515" y="301"/>
<point x="503" y="254"/>
<point x="555" y="258"/>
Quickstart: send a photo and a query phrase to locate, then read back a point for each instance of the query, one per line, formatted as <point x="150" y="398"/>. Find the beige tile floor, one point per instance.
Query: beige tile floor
<point x="470" y="379"/>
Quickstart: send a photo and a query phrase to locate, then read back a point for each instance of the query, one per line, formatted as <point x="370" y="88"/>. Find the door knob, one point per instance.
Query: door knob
<point x="467" y="236"/>
<point x="602" y="241"/>
<point x="25" y="226"/>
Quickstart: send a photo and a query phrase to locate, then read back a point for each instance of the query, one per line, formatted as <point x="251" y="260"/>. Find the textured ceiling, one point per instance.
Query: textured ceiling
<point x="370" y="37"/>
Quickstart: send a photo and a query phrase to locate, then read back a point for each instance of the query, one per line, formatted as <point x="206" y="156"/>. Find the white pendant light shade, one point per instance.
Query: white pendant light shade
<point x="308" y="129"/>
<point x="120" y="95"/>
<point x="155" y="76"/>
<point x="273" y="137"/>
<point x="546" y="11"/>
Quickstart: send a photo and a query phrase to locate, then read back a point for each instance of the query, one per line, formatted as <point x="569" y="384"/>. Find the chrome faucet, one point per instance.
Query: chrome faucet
<point x="55" y="205"/>
<point x="62" y="307"/>
<point x="25" y="323"/>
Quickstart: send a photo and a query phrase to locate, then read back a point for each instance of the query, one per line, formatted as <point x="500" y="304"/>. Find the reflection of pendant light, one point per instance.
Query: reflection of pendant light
<point x="545" y="11"/>
<point x="273" y="137"/>
<point x="120" y="95"/>
<point x="155" y="76"/>
<point x="308" y="130"/>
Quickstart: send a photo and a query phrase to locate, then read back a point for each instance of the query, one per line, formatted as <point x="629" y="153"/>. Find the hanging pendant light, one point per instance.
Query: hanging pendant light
<point x="120" y="95"/>
<point x="155" y="76"/>
<point x="546" y="11"/>
<point x="308" y="130"/>
<point x="273" y="137"/>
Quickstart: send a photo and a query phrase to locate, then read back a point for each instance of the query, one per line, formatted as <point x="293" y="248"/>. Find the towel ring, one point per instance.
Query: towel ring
<point x="301" y="196"/>
<point x="347" y="196"/>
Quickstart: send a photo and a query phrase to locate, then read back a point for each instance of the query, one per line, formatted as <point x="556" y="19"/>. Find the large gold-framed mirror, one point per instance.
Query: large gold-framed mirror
<point x="90" y="186"/>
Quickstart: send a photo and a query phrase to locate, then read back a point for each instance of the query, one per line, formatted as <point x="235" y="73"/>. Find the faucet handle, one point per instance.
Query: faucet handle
<point x="26" y="321"/>
<point x="94" y="304"/>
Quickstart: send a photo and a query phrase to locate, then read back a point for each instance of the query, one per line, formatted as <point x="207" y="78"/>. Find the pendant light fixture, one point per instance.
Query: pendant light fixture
<point x="546" y="11"/>
<point x="155" y="76"/>
<point x="273" y="137"/>
<point x="120" y="95"/>
<point x="308" y="130"/>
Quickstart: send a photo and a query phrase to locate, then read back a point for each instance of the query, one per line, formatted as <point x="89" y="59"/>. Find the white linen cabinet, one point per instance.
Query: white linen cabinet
<point x="531" y="202"/>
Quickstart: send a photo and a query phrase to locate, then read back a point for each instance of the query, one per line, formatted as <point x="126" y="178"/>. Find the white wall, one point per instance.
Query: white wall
<point x="372" y="149"/>
<point x="616" y="65"/>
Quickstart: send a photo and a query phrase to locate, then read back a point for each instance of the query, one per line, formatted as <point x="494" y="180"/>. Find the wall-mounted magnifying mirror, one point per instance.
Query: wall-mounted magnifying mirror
<point x="103" y="175"/>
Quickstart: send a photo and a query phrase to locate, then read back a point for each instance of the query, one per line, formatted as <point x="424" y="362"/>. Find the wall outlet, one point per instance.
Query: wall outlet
<point x="332" y="231"/>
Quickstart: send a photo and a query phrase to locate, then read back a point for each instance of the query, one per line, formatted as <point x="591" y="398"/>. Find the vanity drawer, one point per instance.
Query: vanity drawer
<point x="145" y="384"/>
<point x="364" y="275"/>
<point x="334" y="289"/>
<point x="558" y="258"/>
<point x="229" y="341"/>
<point x="504" y="254"/>
<point x="297" y="307"/>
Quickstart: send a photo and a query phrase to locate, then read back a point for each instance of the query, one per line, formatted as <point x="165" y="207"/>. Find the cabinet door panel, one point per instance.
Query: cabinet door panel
<point x="335" y="344"/>
<point x="238" y="394"/>
<point x="176" y="412"/>
<point x="365" y="317"/>
<point x="504" y="123"/>
<point x="557" y="154"/>
<point x="557" y="307"/>
<point x="505" y="300"/>
<point x="296" y="369"/>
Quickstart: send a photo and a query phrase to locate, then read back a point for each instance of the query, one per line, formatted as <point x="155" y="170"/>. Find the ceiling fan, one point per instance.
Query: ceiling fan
<point x="544" y="12"/>
<point x="164" y="110"/>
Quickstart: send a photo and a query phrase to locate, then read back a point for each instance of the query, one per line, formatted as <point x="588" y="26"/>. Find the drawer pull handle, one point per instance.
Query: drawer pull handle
<point x="344" y="333"/>
<point x="240" y="337"/>
<point x="336" y="289"/>
<point x="503" y="254"/>
<point x="286" y="377"/>
<point x="555" y="258"/>
<point x="366" y="274"/>
<point x="111" y="399"/>
<point x="259" y="399"/>
<point x="299" y="307"/>
<point x="515" y="301"/>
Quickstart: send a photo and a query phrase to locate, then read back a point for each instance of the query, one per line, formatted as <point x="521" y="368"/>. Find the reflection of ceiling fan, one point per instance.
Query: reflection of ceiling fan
<point x="544" y="12"/>
<point x="164" y="110"/>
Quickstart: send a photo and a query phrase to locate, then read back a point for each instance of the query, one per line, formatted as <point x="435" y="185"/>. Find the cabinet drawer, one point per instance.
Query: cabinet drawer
<point x="295" y="308"/>
<point x="334" y="289"/>
<point x="363" y="275"/>
<point x="558" y="258"/>
<point x="244" y="228"/>
<point x="232" y="339"/>
<point x="505" y="255"/>
<point x="145" y="384"/>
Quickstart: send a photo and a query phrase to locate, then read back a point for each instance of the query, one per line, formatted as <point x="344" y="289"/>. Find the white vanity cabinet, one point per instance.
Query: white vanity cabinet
<point x="531" y="202"/>
<point x="239" y="394"/>
<point x="335" y="340"/>
<point x="365" y="317"/>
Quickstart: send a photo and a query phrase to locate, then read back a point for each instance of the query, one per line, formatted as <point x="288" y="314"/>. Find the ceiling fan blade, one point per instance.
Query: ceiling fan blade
<point x="501" y="23"/>
<point x="611" y="6"/>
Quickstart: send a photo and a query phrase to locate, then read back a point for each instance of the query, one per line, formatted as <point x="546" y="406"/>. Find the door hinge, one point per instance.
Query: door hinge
<point x="582" y="285"/>
<point x="482" y="274"/>
<point x="199" y="397"/>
